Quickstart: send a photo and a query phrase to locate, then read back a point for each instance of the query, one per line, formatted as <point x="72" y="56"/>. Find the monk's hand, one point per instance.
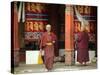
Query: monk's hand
<point x="41" y="51"/>
<point x="49" y="43"/>
<point x="53" y="41"/>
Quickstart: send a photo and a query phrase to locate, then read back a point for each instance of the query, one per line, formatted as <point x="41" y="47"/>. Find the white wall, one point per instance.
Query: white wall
<point x="91" y="54"/>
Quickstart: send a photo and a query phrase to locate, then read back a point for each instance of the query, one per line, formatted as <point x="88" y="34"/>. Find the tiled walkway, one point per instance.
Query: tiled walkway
<point x="23" y="68"/>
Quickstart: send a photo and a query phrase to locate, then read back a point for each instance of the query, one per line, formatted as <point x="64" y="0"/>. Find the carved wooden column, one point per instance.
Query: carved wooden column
<point x="14" y="35"/>
<point x="69" y="38"/>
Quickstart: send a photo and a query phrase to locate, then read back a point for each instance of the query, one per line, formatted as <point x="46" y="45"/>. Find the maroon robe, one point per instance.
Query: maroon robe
<point x="82" y="51"/>
<point x="48" y="49"/>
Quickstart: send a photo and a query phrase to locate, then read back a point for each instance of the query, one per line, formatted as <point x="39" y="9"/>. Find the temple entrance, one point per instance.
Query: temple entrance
<point x="29" y="24"/>
<point x="29" y="36"/>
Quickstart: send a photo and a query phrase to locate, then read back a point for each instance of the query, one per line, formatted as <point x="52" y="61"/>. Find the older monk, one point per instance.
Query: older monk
<point x="82" y="51"/>
<point x="48" y="40"/>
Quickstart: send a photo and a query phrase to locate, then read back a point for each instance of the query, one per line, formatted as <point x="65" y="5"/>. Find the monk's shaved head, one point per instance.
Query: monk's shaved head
<point x="83" y="28"/>
<point x="48" y="27"/>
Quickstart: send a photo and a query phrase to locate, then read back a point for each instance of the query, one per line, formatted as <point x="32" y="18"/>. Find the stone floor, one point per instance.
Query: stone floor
<point x="23" y="68"/>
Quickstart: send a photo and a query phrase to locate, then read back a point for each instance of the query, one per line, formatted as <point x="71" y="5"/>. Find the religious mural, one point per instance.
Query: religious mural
<point x="36" y="18"/>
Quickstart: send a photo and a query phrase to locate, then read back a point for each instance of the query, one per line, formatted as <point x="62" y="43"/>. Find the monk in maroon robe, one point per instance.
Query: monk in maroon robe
<point x="82" y="51"/>
<point x="48" y="40"/>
